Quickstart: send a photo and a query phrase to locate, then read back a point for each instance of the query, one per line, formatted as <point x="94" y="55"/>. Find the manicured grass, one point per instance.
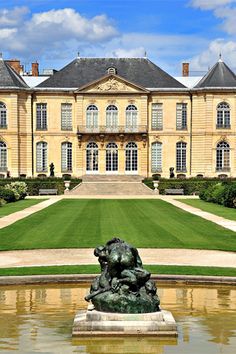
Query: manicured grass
<point x="87" y="223"/>
<point x="93" y="269"/>
<point x="10" y="208"/>
<point x="220" y="210"/>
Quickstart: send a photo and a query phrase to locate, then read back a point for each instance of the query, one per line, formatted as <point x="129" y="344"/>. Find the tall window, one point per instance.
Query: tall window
<point x="181" y="153"/>
<point x="131" y="157"/>
<point x="181" y="116"/>
<point x="92" y="117"/>
<point x="3" y="156"/>
<point x="66" y="116"/>
<point x="157" y="116"/>
<point x="92" y="158"/>
<point x="66" y="157"/>
<point x="223" y="115"/>
<point x="41" y="116"/>
<point x="223" y="156"/>
<point x="131" y="116"/>
<point x="3" y="115"/>
<point x="111" y="157"/>
<point x="156" y="157"/>
<point x="111" y="117"/>
<point x="42" y="156"/>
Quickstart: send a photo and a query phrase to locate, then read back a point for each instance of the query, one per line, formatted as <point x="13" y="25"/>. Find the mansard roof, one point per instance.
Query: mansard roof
<point x="140" y="71"/>
<point x="9" y="79"/>
<point x="220" y="76"/>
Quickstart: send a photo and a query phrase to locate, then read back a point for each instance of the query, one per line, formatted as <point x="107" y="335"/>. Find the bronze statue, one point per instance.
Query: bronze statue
<point x="123" y="286"/>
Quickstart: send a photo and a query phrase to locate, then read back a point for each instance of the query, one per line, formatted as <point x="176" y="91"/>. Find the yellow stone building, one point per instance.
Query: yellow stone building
<point x="117" y="116"/>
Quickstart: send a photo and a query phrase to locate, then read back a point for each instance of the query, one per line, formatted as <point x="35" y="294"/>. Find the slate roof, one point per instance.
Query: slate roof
<point x="9" y="77"/>
<point x="140" y="71"/>
<point x="220" y="76"/>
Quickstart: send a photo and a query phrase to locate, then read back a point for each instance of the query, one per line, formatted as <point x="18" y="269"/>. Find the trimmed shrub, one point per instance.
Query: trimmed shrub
<point x="7" y="194"/>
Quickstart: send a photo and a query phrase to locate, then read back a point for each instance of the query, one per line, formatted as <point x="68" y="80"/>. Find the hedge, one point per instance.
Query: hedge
<point x="190" y="186"/>
<point x="7" y="195"/>
<point x="220" y="193"/>
<point x="34" y="184"/>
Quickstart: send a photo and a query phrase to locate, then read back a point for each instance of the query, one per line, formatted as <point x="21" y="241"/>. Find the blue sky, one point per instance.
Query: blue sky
<point x="170" y="31"/>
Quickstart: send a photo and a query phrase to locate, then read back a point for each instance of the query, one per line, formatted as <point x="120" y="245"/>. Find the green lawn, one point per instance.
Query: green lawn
<point x="220" y="210"/>
<point x="93" y="269"/>
<point x="17" y="206"/>
<point x="88" y="223"/>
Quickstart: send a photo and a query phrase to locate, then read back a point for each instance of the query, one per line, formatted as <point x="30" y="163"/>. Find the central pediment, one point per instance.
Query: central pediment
<point x="113" y="84"/>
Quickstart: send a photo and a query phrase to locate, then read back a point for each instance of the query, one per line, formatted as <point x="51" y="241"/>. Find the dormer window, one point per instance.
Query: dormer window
<point x="111" y="71"/>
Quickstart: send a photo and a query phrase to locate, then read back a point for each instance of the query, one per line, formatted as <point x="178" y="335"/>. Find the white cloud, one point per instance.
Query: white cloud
<point x="129" y="53"/>
<point x="7" y="32"/>
<point x="210" y="4"/>
<point x="211" y="55"/>
<point x="52" y="30"/>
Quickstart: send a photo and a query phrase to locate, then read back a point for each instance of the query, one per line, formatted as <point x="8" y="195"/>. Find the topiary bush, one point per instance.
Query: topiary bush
<point x="7" y="195"/>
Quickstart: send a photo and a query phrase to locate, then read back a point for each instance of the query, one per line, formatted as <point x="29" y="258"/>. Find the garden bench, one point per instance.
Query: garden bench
<point x="47" y="191"/>
<point x="174" y="191"/>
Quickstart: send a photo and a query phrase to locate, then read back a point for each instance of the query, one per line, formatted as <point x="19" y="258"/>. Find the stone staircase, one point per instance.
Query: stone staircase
<point x="111" y="185"/>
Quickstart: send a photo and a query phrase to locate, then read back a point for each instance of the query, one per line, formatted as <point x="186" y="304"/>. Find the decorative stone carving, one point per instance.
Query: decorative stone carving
<point x="112" y="85"/>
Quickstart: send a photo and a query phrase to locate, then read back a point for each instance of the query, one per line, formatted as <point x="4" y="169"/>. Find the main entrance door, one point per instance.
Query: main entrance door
<point x="111" y="158"/>
<point x="131" y="158"/>
<point x="92" y="158"/>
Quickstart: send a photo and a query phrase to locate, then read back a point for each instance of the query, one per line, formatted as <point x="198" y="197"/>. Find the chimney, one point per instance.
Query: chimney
<point x="185" y="69"/>
<point x="35" y="69"/>
<point x="15" y="64"/>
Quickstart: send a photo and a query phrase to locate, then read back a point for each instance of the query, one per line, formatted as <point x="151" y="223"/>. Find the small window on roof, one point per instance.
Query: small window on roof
<point x="111" y="70"/>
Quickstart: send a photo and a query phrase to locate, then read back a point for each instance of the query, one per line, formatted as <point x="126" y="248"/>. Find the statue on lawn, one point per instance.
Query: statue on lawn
<point x="123" y="286"/>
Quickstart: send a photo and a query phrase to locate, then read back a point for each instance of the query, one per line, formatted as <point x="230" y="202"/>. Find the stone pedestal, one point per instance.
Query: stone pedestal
<point x="96" y="323"/>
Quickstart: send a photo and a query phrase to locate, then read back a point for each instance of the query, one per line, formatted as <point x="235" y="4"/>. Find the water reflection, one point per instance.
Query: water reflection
<point x="39" y="319"/>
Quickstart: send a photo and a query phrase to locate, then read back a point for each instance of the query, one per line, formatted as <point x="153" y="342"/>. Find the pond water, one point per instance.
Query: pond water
<point x="38" y="319"/>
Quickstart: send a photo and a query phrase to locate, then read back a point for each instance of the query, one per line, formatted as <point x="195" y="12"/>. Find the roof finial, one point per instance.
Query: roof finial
<point x="145" y="54"/>
<point x="220" y="58"/>
<point x="1" y="57"/>
<point x="78" y="55"/>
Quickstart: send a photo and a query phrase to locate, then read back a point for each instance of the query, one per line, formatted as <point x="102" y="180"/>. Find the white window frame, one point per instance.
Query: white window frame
<point x="3" y="156"/>
<point x="66" y="116"/>
<point x="111" y="116"/>
<point x="157" y="116"/>
<point x="156" y="157"/>
<point x="3" y="116"/>
<point x="66" y="157"/>
<point x="222" y="157"/>
<point x="92" y="116"/>
<point x="41" y="116"/>
<point x="131" y="116"/>
<point x="181" y="156"/>
<point x="41" y="156"/>
<point x="181" y="116"/>
<point x="223" y="116"/>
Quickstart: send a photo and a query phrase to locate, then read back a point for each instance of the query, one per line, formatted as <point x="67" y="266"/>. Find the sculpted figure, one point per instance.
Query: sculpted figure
<point x="123" y="286"/>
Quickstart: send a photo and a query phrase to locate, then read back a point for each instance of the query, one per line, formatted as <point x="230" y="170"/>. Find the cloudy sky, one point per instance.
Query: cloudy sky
<point x="169" y="31"/>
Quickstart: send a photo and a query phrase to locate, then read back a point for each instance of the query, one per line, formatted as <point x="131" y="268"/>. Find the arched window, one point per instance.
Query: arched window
<point x="3" y="156"/>
<point x="41" y="156"/>
<point x="131" y="157"/>
<point x="66" y="157"/>
<point x="111" y="157"/>
<point x="92" y="116"/>
<point x="111" y="117"/>
<point x="131" y="116"/>
<point x="223" y="156"/>
<point x="223" y="115"/>
<point x="92" y="157"/>
<point x="3" y="115"/>
<point x="156" y="157"/>
<point x="181" y="155"/>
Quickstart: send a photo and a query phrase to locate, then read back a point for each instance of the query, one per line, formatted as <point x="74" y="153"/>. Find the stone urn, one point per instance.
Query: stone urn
<point x="156" y="185"/>
<point x="67" y="185"/>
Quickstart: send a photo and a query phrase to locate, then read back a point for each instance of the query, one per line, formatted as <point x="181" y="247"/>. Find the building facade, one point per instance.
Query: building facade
<point x="117" y="116"/>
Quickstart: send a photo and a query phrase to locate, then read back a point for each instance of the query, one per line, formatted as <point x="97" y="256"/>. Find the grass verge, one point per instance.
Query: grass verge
<point x="220" y="210"/>
<point x="10" y="208"/>
<point x="94" y="269"/>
